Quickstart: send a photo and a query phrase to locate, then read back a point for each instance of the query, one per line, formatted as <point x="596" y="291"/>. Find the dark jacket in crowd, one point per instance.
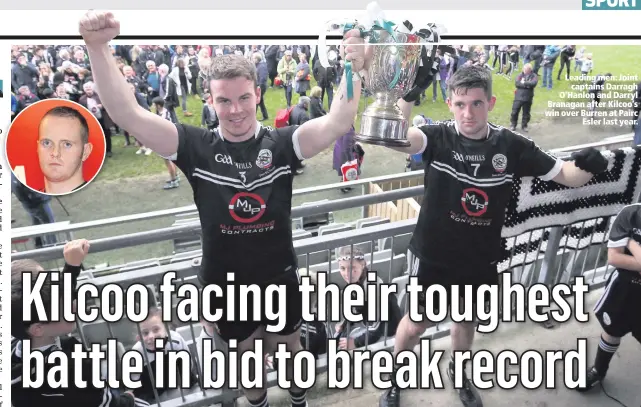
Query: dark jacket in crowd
<point x="324" y="76"/>
<point x="142" y="100"/>
<point x="172" y="100"/>
<point x="24" y="75"/>
<point x="525" y="90"/>
<point x="209" y="118"/>
<point x="567" y="52"/>
<point x="374" y="331"/>
<point x="298" y="116"/>
<point x="103" y="112"/>
<point x="140" y="85"/>
<point x="262" y="73"/>
<point x="27" y="196"/>
<point x="316" y="108"/>
<point x="271" y="57"/>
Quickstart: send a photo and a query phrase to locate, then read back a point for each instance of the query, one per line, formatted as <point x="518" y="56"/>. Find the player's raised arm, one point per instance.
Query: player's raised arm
<point x="316" y="135"/>
<point x="424" y="78"/>
<point x="97" y="29"/>
<point x="417" y="139"/>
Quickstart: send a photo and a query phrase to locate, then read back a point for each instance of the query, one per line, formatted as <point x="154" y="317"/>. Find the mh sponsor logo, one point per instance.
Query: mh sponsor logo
<point x="611" y="5"/>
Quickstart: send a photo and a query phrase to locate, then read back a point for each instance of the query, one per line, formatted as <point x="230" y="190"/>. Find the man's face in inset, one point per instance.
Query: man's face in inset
<point x="61" y="150"/>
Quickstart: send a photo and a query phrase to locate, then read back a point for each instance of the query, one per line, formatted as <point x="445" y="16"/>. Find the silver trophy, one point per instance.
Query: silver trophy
<point x="396" y="60"/>
<point x="390" y="76"/>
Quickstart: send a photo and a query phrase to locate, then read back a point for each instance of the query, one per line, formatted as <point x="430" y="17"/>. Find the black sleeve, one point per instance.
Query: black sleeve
<point x="621" y="228"/>
<point x="287" y="140"/>
<point x="433" y="134"/>
<point x="191" y="141"/>
<point x="75" y="272"/>
<point x="108" y="398"/>
<point x="372" y="334"/>
<point x="321" y="338"/>
<point x="313" y="337"/>
<point x="90" y="396"/>
<point x="534" y="162"/>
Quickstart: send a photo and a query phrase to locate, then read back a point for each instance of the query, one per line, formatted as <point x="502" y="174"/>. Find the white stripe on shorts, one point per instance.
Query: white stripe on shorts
<point x="415" y="266"/>
<point x="604" y="296"/>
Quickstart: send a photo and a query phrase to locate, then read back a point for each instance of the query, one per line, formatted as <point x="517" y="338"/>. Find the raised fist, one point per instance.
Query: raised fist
<point x="75" y="251"/>
<point x="98" y="27"/>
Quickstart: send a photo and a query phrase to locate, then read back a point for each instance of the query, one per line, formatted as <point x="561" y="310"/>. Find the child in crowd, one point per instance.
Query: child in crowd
<point x="162" y="111"/>
<point x="587" y="65"/>
<point x="578" y="59"/>
<point x="313" y="334"/>
<point x="151" y="329"/>
<point x="208" y="332"/>
<point x="619" y="309"/>
<point x="353" y="268"/>
<point x="49" y="337"/>
<point x="209" y="117"/>
<point x="513" y="58"/>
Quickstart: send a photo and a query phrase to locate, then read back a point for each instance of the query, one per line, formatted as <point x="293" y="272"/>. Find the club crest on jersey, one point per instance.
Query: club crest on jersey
<point x="499" y="162"/>
<point x="264" y="159"/>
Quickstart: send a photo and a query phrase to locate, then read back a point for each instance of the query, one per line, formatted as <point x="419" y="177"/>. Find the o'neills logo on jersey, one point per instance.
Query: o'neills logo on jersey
<point x="474" y="201"/>
<point x="225" y="159"/>
<point x="246" y="207"/>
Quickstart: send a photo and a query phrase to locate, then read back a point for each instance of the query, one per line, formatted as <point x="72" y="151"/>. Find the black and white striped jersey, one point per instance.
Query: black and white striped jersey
<point x="243" y="192"/>
<point x="149" y="375"/>
<point x="468" y="184"/>
<point x="51" y="392"/>
<point x="626" y="226"/>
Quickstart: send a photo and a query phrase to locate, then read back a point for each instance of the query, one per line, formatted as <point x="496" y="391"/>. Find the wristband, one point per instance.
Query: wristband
<point x="350" y="78"/>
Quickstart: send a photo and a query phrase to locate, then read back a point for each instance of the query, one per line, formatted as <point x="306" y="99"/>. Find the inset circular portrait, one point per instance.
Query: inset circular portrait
<point x="56" y="146"/>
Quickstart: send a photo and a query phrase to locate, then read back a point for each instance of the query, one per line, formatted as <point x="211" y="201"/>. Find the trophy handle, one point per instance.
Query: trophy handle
<point x="333" y="27"/>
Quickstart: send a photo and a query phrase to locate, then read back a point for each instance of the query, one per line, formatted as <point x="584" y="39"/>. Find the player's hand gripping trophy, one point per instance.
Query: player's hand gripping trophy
<point x="402" y="65"/>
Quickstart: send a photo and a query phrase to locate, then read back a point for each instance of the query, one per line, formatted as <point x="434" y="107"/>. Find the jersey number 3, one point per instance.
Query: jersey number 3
<point x="242" y="175"/>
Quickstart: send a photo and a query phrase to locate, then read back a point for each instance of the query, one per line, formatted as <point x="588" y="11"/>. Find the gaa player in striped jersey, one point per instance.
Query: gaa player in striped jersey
<point x="457" y="239"/>
<point x="241" y="176"/>
<point x="619" y="309"/>
<point x="50" y="338"/>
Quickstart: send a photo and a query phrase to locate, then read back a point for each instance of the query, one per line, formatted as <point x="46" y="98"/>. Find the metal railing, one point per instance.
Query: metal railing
<point x="558" y="263"/>
<point x="33" y="231"/>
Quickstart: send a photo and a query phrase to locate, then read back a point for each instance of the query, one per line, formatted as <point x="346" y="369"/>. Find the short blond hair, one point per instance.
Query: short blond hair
<point x="316" y="91"/>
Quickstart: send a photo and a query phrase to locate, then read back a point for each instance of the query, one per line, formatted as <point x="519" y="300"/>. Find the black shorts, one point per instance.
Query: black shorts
<point x="429" y="275"/>
<point x="619" y="308"/>
<point x="241" y="330"/>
